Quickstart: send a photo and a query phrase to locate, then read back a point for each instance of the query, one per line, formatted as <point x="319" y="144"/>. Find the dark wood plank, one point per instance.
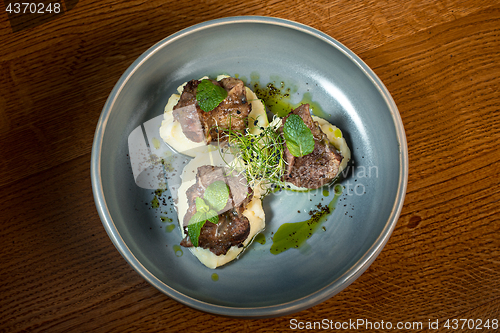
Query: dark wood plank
<point x="59" y="270"/>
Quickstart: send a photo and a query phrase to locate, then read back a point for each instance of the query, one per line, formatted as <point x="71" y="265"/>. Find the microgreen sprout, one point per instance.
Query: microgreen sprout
<point x="261" y="154"/>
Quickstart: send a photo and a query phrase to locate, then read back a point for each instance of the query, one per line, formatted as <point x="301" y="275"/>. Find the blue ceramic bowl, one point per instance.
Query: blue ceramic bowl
<point x="259" y="284"/>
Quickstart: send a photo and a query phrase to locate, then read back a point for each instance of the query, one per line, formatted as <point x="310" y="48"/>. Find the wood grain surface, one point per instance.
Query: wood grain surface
<point x="59" y="271"/>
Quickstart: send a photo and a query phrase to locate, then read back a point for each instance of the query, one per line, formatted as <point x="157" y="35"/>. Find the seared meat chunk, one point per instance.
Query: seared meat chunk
<point x="233" y="227"/>
<point x="317" y="168"/>
<point x="232" y="112"/>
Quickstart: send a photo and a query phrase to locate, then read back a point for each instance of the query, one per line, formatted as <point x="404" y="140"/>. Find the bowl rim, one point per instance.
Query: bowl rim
<point x="296" y="305"/>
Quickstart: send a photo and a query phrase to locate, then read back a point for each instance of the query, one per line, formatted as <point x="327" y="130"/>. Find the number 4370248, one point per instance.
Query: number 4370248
<point x="33" y="8"/>
<point x="471" y="324"/>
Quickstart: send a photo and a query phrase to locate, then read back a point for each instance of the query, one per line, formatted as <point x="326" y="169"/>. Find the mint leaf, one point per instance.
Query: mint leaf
<point x="201" y="205"/>
<point x="209" y="95"/>
<point x="299" y="138"/>
<point x="194" y="231"/>
<point x="212" y="216"/>
<point x="215" y="198"/>
<point x="198" y="217"/>
<point x="216" y="195"/>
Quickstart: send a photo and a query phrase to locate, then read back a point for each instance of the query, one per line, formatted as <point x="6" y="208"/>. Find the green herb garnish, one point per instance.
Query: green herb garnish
<point x="217" y="194"/>
<point x="214" y="200"/>
<point x="209" y="95"/>
<point x="298" y="137"/>
<point x="261" y="154"/>
<point x="194" y="232"/>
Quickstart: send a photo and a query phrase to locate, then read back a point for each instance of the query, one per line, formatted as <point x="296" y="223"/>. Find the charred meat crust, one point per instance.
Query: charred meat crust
<point x="233" y="227"/>
<point x="317" y="168"/>
<point x="198" y="125"/>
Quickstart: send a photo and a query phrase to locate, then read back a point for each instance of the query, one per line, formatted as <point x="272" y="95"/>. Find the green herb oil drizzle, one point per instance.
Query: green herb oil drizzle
<point x="315" y="107"/>
<point x="166" y="219"/>
<point x="178" y="250"/>
<point x="277" y="97"/>
<point x="294" y="235"/>
<point x="260" y="238"/>
<point x="155" y="203"/>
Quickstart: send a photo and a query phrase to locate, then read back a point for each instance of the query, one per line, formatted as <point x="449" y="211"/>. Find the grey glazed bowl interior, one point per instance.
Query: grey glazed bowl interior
<point x="259" y="284"/>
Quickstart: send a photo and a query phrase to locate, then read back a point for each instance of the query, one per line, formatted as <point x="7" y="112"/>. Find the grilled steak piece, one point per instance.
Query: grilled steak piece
<point x="317" y="168"/>
<point x="232" y="112"/>
<point x="233" y="227"/>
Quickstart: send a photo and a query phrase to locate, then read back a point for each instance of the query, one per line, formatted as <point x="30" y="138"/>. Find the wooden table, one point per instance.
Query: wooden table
<point x="59" y="271"/>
